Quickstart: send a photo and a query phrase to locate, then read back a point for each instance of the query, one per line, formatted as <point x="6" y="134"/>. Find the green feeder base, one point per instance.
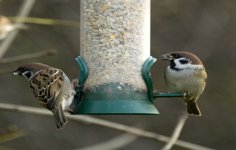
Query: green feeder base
<point x="108" y="99"/>
<point x="113" y="98"/>
<point x="142" y="107"/>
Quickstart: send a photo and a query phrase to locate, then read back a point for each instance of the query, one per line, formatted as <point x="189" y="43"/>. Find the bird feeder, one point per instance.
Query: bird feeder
<point x="115" y="59"/>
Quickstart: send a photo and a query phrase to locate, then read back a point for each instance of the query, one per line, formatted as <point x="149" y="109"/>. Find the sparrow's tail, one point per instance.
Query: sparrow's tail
<point x="60" y="118"/>
<point x="193" y="109"/>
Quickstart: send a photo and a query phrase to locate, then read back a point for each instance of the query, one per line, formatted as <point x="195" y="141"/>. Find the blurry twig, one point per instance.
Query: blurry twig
<point x="11" y="134"/>
<point x="24" y="57"/>
<point x="176" y="133"/>
<point x="28" y="56"/>
<point x="3" y="147"/>
<point x="45" y="21"/>
<point x="115" y="143"/>
<point x="103" y="123"/>
<point x="24" y="12"/>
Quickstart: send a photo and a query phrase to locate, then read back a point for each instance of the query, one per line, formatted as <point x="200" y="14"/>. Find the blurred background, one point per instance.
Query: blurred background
<point x="206" y="28"/>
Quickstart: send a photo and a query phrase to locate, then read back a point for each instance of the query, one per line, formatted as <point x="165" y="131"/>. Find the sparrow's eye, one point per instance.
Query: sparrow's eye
<point x="183" y="61"/>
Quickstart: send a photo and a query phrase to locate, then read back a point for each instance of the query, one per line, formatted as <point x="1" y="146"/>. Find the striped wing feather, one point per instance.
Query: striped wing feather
<point x="46" y="85"/>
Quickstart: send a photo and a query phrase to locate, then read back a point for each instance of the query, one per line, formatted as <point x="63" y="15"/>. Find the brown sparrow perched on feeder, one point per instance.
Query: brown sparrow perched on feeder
<point x="6" y="26"/>
<point x="186" y="74"/>
<point x="51" y="87"/>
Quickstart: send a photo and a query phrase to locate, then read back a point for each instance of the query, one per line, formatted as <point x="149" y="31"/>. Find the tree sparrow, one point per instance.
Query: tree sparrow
<point x="51" y="87"/>
<point x="186" y="74"/>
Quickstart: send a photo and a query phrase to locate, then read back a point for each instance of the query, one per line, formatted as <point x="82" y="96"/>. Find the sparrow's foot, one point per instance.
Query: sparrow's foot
<point x="186" y="94"/>
<point x="70" y="110"/>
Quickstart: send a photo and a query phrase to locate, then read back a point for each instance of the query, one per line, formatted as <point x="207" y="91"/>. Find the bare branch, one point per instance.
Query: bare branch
<point x="177" y="131"/>
<point x="103" y="123"/>
<point x="11" y="134"/>
<point x="28" y="56"/>
<point x="3" y="147"/>
<point x="115" y="143"/>
<point x="45" y="21"/>
<point x="24" y="12"/>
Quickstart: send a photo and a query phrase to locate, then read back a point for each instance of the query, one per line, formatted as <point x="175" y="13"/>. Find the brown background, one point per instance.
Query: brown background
<point x="206" y="28"/>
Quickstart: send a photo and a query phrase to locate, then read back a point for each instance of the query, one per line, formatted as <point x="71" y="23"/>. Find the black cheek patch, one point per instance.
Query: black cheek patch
<point x="183" y="61"/>
<point x="27" y="74"/>
<point x="173" y="66"/>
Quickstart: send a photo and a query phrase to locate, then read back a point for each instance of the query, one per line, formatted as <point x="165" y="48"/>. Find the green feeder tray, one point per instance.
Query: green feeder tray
<point x="108" y="99"/>
<point x="113" y="98"/>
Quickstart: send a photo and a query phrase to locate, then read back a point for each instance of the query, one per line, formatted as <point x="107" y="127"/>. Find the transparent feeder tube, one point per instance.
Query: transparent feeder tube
<point x="115" y="42"/>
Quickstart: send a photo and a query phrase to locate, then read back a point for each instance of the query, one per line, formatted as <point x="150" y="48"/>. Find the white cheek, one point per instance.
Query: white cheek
<point x="178" y="65"/>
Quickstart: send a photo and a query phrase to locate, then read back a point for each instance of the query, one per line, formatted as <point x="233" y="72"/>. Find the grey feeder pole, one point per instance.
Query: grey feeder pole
<point x="115" y="58"/>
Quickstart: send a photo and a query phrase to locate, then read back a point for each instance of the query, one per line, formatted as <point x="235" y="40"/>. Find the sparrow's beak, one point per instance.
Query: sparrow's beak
<point x="16" y="73"/>
<point x="167" y="57"/>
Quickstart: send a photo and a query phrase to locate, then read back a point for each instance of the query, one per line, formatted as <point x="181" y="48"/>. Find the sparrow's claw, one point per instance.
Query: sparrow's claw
<point x="186" y="94"/>
<point x="70" y="110"/>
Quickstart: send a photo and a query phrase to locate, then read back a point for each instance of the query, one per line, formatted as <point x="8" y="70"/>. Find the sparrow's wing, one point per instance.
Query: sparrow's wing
<point x="47" y="85"/>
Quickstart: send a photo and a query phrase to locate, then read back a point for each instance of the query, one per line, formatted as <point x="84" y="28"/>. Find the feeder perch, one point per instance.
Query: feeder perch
<point x="115" y="59"/>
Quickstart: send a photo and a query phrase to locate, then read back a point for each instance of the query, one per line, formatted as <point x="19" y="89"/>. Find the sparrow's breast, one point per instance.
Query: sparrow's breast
<point x="66" y="94"/>
<point x="185" y="80"/>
